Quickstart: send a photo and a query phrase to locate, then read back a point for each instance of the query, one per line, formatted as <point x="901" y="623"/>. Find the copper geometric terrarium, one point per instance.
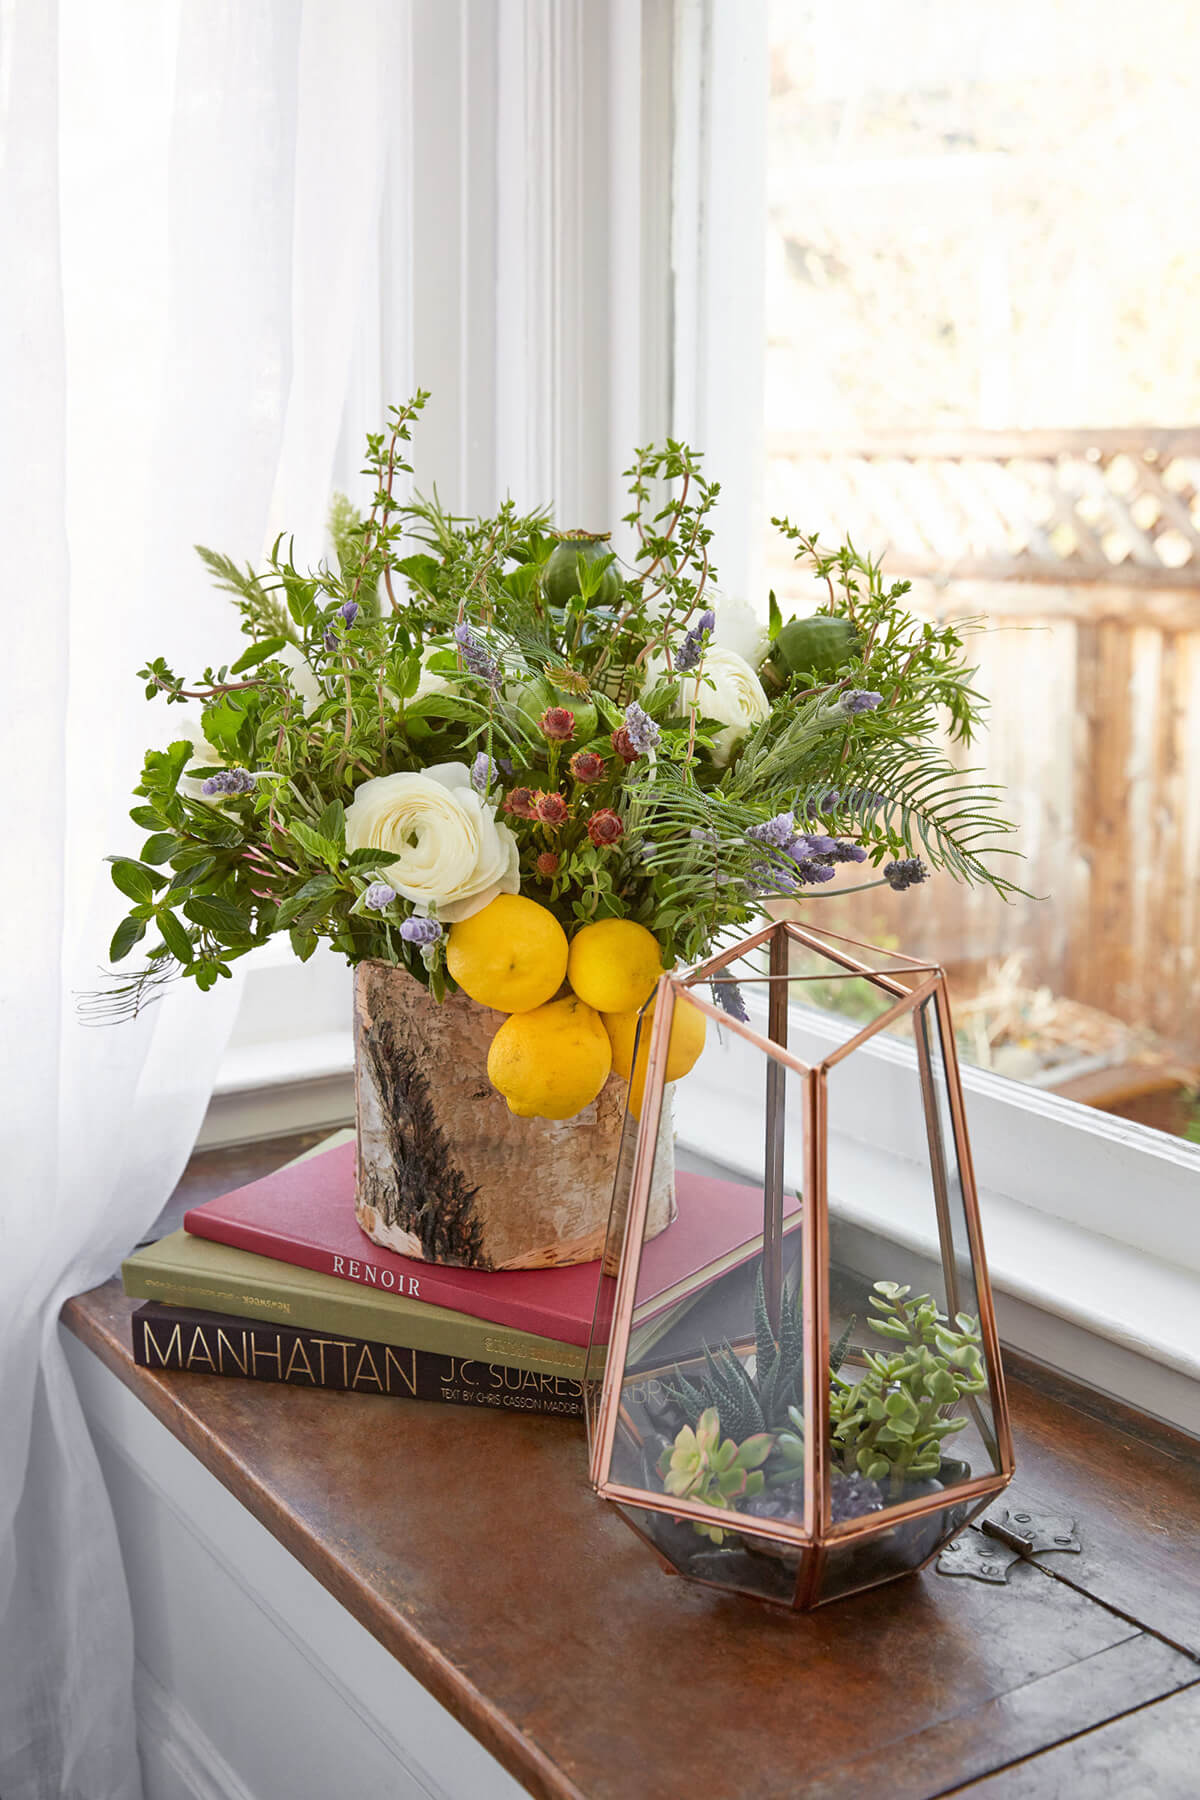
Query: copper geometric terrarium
<point x="795" y="1391"/>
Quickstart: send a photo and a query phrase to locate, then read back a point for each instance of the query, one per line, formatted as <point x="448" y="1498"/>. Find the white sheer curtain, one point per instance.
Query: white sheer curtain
<point x="190" y="195"/>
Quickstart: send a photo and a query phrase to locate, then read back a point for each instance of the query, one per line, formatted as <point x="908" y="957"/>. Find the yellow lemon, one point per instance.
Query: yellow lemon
<point x="686" y="1041"/>
<point x="552" y="1062"/>
<point x="512" y="954"/>
<point x="614" y="964"/>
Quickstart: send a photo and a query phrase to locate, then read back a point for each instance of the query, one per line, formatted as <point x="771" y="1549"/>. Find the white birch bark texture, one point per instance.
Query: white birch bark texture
<point x="446" y="1172"/>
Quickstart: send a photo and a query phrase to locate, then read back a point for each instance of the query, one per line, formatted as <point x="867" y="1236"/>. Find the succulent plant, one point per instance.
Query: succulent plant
<point x="760" y="1401"/>
<point x="891" y="1425"/>
<point x="701" y="1465"/>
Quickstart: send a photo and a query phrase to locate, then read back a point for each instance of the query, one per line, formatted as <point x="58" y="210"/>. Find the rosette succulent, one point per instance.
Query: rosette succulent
<point x="701" y="1465"/>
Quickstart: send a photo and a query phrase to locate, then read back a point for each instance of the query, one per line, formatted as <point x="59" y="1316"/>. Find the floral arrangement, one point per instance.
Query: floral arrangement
<point x="451" y="712"/>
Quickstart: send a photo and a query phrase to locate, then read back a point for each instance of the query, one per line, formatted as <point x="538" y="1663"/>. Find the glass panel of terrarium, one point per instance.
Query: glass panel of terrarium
<point x="910" y="1405"/>
<point x="742" y="1565"/>
<point x="956" y="1248"/>
<point x="714" y="1351"/>
<point x="892" y="1550"/>
<point x="829" y="1001"/>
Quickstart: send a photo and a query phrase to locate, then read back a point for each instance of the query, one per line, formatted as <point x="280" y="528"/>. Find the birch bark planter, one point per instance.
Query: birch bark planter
<point x="446" y="1172"/>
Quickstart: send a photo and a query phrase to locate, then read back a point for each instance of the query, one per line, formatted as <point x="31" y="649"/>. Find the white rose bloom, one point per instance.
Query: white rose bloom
<point x="451" y="855"/>
<point x="300" y="676"/>
<point x="740" y="629"/>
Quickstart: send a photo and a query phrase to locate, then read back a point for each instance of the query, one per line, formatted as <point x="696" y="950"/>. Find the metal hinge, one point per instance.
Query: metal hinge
<point x="1009" y="1533"/>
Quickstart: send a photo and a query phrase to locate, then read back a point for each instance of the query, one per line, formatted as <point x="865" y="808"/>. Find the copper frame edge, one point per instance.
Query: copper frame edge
<point x="914" y="999"/>
<point x="811" y="941"/>
<point x="743" y="1031"/>
<point x="700" y="971"/>
<point x="632" y="1244"/>
<point x="839" y="937"/>
<point x="872" y="1524"/>
<point x="744" y="1524"/>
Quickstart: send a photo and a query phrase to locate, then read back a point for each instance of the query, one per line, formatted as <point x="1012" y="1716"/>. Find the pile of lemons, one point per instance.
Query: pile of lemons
<point x="552" y="1056"/>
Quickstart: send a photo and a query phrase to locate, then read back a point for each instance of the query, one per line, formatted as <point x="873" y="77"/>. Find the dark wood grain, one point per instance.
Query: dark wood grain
<point x="471" y="1546"/>
<point x="1153" y="1754"/>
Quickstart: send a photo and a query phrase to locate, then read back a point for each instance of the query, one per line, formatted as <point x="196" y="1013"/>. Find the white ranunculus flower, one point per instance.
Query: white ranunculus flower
<point x="730" y="692"/>
<point x="739" y="628"/>
<point x="300" y="676"/>
<point x="724" y="688"/>
<point x="451" y="855"/>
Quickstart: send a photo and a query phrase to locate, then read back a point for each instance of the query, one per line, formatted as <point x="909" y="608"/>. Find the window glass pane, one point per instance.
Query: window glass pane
<point x="983" y="271"/>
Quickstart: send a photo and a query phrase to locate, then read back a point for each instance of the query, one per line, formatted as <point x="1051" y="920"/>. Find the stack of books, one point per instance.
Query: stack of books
<point x="276" y="1282"/>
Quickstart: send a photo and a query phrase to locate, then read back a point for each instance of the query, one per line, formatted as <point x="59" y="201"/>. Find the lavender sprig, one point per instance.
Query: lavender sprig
<point x="642" y="731"/>
<point x="228" y="781"/>
<point x="905" y="874"/>
<point x="695" y="641"/>
<point x="420" y="931"/>
<point x="379" y="896"/>
<point x="476" y="655"/>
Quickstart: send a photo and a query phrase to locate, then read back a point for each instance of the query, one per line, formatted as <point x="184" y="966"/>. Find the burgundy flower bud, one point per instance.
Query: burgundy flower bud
<point x="547" y="864"/>
<point x="551" y="809"/>
<point x="521" y="802"/>
<point x="587" y="766"/>
<point x="624" y="745"/>
<point x="557" y="723"/>
<point x="605" y="828"/>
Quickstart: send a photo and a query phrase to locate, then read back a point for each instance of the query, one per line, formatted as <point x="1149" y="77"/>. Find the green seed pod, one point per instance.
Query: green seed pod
<point x="820" y="647"/>
<point x="562" y="570"/>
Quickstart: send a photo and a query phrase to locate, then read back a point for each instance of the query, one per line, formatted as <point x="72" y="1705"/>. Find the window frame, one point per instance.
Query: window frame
<point x="1091" y="1220"/>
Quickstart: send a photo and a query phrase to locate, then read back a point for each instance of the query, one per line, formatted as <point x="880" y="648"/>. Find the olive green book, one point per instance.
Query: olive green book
<point x="184" y="1270"/>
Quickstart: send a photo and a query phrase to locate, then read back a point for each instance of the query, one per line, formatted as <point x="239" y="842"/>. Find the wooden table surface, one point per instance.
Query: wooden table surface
<point x="471" y="1546"/>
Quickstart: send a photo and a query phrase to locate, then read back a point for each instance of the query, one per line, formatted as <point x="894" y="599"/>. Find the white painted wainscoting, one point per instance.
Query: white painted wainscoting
<point x="253" y="1682"/>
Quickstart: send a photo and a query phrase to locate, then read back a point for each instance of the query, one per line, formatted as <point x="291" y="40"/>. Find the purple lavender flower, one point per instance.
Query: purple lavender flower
<point x="845" y="852"/>
<point x="229" y="781"/>
<point x="905" y="874"/>
<point x="476" y="655"/>
<point x="728" y="996"/>
<point x="420" y="931"/>
<point x="779" y="832"/>
<point x="379" y="897"/>
<point x="861" y="700"/>
<point x="483" y="772"/>
<point x="813" y="871"/>
<point x="810" y="844"/>
<point x="816" y="809"/>
<point x="349" y="611"/>
<point x="331" y="642"/>
<point x="642" y="731"/>
<point x="688" y="655"/>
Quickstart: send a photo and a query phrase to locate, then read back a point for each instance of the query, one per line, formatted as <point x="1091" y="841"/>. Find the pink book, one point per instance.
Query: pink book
<point x="304" y="1215"/>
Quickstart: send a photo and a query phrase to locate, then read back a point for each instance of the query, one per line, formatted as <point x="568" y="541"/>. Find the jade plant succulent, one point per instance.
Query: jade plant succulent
<point x="701" y="1465"/>
<point x="891" y="1425"/>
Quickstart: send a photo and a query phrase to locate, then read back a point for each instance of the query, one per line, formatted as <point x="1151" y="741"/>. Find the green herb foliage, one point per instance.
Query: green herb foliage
<point x="351" y="671"/>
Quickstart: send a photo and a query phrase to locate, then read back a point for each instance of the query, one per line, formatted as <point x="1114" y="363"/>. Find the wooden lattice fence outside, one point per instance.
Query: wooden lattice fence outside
<point x="1083" y="552"/>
